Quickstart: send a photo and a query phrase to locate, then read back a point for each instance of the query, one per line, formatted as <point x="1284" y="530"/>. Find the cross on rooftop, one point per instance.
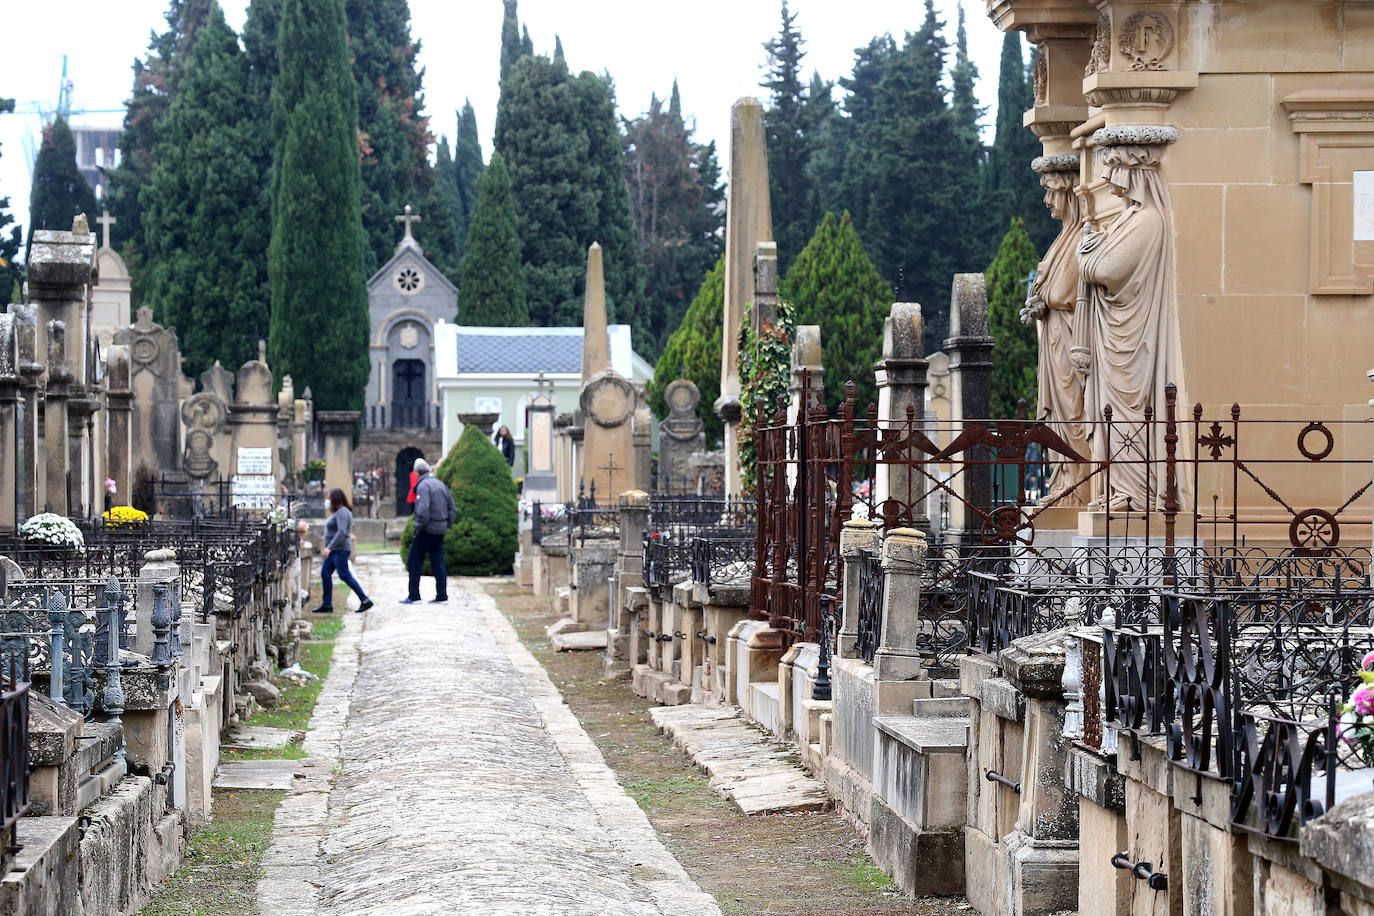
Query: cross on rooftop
<point x="407" y="218"/>
<point x="106" y="221"/>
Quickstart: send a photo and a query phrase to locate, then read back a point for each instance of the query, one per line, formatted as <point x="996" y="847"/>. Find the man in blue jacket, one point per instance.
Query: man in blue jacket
<point x="434" y="513"/>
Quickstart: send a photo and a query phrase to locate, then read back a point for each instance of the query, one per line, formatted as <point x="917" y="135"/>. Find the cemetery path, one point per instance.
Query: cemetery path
<point x="462" y="784"/>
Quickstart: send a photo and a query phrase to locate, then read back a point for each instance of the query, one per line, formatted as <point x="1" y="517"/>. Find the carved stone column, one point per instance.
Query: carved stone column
<point x="55" y="396"/>
<point x="119" y="401"/>
<point x="10" y="409"/>
<point x="902" y="401"/>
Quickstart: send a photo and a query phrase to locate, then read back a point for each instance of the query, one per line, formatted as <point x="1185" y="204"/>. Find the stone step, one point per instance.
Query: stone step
<point x="578" y="642"/>
<point x="250" y="737"/>
<point x="258" y="774"/>
<point x="940" y="707"/>
<point x="926" y="735"/>
<point x="757" y="773"/>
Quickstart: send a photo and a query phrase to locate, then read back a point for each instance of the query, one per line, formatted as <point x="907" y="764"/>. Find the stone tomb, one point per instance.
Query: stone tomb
<point x="680" y="436"/>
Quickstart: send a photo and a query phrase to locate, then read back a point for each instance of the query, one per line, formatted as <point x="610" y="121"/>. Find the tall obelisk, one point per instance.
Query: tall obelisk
<point x="748" y="221"/>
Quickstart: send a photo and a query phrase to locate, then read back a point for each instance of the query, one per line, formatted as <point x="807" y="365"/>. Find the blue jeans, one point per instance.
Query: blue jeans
<point x="337" y="561"/>
<point x="431" y="545"/>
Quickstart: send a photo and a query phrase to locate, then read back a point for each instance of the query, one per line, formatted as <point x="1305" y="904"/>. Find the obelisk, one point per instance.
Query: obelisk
<point x="605" y="459"/>
<point x="748" y="221"/>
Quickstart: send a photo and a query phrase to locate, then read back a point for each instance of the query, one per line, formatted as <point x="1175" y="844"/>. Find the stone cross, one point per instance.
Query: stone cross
<point x="106" y="221"/>
<point x="407" y="218"/>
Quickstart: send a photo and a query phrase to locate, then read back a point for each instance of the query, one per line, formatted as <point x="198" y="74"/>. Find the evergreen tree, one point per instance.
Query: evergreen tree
<point x="155" y="84"/>
<point x="963" y="101"/>
<point x="693" y="351"/>
<point x="491" y="285"/>
<point x="790" y="138"/>
<point x="9" y="240"/>
<point x="59" y="189"/>
<point x="394" y="134"/>
<point x="319" y="320"/>
<point x="675" y="198"/>
<point x="467" y="155"/>
<point x="558" y="135"/>
<point x="511" y="49"/>
<point x="834" y="284"/>
<point x="907" y="173"/>
<point x="447" y="209"/>
<point x="206" y="266"/>
<point x="260" y="55"/>
<point x="1013" y="189"/>
<point x="1014" y="355"/>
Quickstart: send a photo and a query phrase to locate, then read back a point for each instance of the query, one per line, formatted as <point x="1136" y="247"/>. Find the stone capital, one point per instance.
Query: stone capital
<point x="634" y="499"/>
<point x="859" y="534"/>
<point x="904" y="551"/>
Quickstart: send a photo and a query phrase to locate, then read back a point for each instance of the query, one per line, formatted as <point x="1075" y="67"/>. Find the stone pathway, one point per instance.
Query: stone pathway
<point x="458" y="781"/>
<point x="758" y="774"/>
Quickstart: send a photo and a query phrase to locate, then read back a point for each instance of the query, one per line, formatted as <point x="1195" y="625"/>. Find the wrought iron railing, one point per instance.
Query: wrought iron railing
<point x="720" y="559"/>
<point x="14" y="754"/>
<point x="870" y="606"/>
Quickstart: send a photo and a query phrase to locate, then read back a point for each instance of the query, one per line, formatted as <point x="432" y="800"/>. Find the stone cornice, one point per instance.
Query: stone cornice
<point x="1331" y="110"/>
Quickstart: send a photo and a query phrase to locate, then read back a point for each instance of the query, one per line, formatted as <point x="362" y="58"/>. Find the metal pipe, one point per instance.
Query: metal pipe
<point x="1143" y="871"/>
<point x="994" y="776"/>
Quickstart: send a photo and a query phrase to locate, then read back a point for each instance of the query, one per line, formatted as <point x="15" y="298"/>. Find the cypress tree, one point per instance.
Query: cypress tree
<point x="206" y="261"/>
<point x="395" y="135"/>
<point x="963" y="101"/>
<point x="467" y="165"/>
<point x="1013" y="189"/>
<point x="155" y="85"/>
<point x="835" y="285"/>
<point x="511" y="49"/>
<point x="561" y="143"/>
<point x="491" y="285"/>
<point x="59" y="190"/>
<point x="445" y="241"/>
<point x="675" y="203"/>
<point x="693" y="351"/>
<point x="9" y="240"/>
<point x="790" y="138"/>
<point x="1014" y="354"/>
<point x="260" y="53"/>
<point x="319" y="320"/>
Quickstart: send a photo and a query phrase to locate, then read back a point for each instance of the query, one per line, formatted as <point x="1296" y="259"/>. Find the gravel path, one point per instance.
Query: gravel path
<point x="459" y="782"/>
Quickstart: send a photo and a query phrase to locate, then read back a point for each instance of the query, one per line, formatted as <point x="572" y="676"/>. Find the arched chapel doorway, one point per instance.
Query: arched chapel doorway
<point x="405" y="460"/>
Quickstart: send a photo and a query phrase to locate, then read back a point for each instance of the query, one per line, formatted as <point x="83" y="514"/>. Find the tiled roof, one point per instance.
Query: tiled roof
<point x="529" y="350"/>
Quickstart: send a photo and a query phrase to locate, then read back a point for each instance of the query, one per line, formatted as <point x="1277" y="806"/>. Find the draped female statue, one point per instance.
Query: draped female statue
<point x="1128" y="341"/>
<point x="1051" y="305"/>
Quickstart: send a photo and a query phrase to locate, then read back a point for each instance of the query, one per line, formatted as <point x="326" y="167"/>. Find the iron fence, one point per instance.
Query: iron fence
<point x="721" y="559"/>
<point x="14" y="755"/>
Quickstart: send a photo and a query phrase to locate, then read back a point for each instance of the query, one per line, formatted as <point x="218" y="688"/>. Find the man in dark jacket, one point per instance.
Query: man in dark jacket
<point x="434" y="513"/>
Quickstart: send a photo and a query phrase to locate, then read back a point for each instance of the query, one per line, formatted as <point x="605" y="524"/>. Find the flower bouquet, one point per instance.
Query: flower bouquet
<point x="48" y="529"/>
<point x="1357" y="714"/>
<point x="124" y="517"/>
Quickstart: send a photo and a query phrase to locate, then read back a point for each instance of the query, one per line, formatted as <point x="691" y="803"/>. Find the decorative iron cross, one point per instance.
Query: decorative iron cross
<point x="407" y="218"/>
<point x="106" y="221"/>
<point x="1216" y="442"/>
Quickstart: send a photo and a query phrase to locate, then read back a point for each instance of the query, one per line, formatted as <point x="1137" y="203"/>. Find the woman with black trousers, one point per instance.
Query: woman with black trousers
<point x="338" y="545"/>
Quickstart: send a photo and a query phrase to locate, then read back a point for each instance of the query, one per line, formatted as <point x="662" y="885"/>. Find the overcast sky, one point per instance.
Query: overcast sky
<point x="713" y="48"/>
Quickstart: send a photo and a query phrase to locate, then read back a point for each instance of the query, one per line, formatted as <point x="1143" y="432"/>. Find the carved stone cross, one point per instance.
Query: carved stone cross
<point x="106" y="221"/>
<point x="407" y="218"/>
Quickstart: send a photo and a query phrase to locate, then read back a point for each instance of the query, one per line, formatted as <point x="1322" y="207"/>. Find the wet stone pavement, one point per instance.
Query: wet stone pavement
<point x="446" y="775"/>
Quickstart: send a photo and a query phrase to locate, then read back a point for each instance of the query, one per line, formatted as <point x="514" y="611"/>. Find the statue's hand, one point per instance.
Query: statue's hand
<point x="1081" y="359"/>
<point x="1035" y="308"/>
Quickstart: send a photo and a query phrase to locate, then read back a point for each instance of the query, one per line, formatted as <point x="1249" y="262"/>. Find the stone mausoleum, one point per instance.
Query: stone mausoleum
<point x="408" y="298"/>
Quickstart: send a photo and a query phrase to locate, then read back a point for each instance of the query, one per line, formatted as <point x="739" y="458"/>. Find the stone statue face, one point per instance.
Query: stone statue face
<point x="1058" y="203"/>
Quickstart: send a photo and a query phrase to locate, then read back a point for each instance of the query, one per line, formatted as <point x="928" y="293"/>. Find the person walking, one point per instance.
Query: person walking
<point x="506" y="443"/>
<point x="434" y="513"/>
<point x="338" y="545"/>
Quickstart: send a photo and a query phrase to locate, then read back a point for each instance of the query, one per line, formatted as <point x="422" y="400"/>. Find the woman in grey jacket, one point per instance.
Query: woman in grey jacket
<point x="338" y="544"/>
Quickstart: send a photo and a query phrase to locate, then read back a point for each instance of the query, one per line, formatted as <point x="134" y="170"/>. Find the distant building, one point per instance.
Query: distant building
<point x="495" y="370"/>
<point x="97" y="149"/>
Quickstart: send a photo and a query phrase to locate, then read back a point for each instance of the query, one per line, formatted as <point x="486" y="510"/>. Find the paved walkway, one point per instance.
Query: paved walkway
<point x="448" y="777"/>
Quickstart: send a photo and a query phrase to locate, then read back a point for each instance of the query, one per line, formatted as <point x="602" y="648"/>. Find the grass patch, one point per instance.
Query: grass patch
<point x="292" y="751"/>
<point x="297" y="700"/>
<point x="223" y="859"/>
<point x="649" y="793"/>
<point x="863" y="875"/>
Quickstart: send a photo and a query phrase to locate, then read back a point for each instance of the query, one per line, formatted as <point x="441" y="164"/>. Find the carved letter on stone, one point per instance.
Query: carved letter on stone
<point x="1146" y="40"/>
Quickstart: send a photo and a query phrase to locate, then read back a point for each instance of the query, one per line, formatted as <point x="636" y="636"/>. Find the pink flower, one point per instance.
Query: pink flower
<point x="1363" y="700"/>
<point x="1368" y="659"/>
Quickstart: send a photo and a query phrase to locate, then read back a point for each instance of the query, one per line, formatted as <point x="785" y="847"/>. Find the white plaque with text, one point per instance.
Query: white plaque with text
<point x="1364" y="206"/>
<point x="254" y="491"/>
<point x="254" y="461"/>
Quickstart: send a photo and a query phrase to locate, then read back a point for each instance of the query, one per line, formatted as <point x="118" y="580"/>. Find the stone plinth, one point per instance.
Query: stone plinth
<point x="336" y="429"/>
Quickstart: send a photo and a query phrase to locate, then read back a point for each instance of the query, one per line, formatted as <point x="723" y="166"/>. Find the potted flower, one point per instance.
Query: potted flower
<point x="1357" y="714"/>
<point x="124" y="517"/>
<point x="52" y="531"/>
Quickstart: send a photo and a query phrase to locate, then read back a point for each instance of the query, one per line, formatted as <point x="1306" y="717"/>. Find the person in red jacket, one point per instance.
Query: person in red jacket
<point x="410" y="499"/>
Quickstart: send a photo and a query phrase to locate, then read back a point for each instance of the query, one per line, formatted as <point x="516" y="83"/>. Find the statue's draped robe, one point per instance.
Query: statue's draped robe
<point x="1060" y="386"/>
<point x="1130" y="328"/>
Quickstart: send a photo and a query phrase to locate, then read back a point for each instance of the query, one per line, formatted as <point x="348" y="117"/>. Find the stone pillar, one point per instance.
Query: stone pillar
<point x="765" y="302"/>
<point x="336" y="429"/>
<point x="155" y="380"/>
<point x="10" y="413"/>
<point x="642" y="432"/>
<point x="286" y="409"/>
<point x="899" y="658"/>
<point x="119" y="404"/>
<point x="902" y="401"/>
<point x="541" y="480"/>
<point x="300" y="439"/>
<point x="30" y="382"/>
<point x="681" y="435"/>
<point x="858" y="535"/>
<point x="55" y="396"/>
<point x="160" y="567"/>
<point x="970" y="373"/>
<point x="808" y="372"/>
<point x="748" y="221"/>
<point x="629" y="573"/>
<point x="607" y="403"/>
